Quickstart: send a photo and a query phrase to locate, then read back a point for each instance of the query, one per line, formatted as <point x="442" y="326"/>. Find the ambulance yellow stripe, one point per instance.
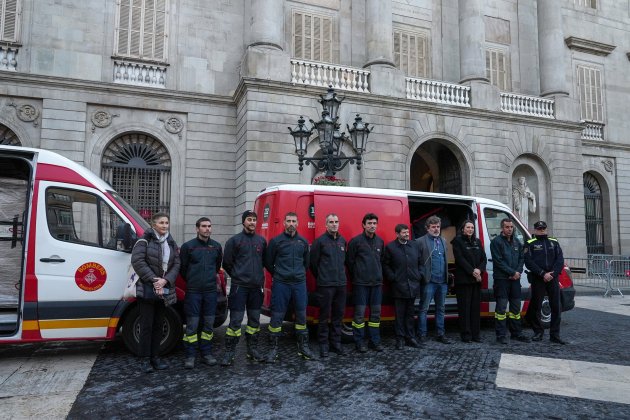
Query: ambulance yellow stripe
<point x="30" y="325"/>
<point x="50" y="324"/>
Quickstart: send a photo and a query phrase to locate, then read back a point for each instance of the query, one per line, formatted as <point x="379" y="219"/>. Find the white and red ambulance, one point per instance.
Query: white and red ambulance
<point x="65" y="243"/>
<point x="312" y="204"/>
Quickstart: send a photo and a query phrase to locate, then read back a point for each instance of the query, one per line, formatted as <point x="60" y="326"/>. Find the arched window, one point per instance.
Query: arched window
<point x="138" y="167"/>
<point x="594" y="215"/>
<point x="8" y="137"/>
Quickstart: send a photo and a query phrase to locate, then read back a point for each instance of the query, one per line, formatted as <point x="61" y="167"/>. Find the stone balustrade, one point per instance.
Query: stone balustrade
<point x="139" y="74"/>
<point x="527" y="105"/>
<point x="437" y="92"/>
<point x="593" y="130"/>
<point x="8" y="57"/>
<point x="325" y="74"/>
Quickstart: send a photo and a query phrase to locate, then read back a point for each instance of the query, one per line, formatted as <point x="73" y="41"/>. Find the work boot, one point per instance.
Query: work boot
<point x="400" y="343"/>
<point x="302" y="346"/>
<point x="189" y="363"/>
<point x="337" y="349"/>
<point x="377" y="347"/>
<point x="230" y="351"/>
<point x="252" y="348"/>
<point x="145" y="365"/>
<point x="412" y="342"/>
<point x="158" y="364"/>
<point x="209" y="360"/>
<point x="361" y="347"/>
<point x="537" y="337"/>
<point x="323" y="350"/>
<point x="272" y="356"/>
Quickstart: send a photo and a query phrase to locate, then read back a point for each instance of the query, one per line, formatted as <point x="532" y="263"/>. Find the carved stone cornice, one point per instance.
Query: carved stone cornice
<point x="588" y="46"/>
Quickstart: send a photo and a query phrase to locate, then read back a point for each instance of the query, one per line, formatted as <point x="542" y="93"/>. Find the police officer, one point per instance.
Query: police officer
<point x="200" y="263"/>
<point x="286" y="258"/>
<point x="243" y="261"/>
<point x="544" y="260"/>
<point x="507" y="259"/>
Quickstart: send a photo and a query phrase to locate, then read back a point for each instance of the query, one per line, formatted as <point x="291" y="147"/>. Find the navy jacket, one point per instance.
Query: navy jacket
<point x="243" y="259"/>
<point x="507" y="257"/>
<point x="201" y="261"/>
<point x="543" y="255"/>
<point x="468" y="255"/>
<point x="401" y="266"/>
<point x="328" y="255"/>
<point x="286" y="258"/>
<point x="364" y="260"/>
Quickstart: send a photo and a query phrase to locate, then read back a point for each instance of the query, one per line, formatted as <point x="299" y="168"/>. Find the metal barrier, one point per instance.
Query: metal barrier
<point x="608" y="272"/>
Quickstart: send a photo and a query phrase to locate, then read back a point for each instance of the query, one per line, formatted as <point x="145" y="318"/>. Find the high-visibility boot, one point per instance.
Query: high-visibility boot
<point x="230" y="351"/>
<point x="302" y="345"/>
<point x="252" y="348"/>
<point x="272" y="356"/>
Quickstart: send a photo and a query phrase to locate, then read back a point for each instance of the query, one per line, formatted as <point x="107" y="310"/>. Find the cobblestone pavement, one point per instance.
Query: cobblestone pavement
<point x="439" y="381"/>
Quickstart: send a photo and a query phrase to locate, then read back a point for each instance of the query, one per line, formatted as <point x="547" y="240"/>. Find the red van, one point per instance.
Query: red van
<point x="312" y="203"/>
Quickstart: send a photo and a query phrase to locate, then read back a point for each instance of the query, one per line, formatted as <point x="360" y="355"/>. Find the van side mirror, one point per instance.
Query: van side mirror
<point x="128" y="238"/>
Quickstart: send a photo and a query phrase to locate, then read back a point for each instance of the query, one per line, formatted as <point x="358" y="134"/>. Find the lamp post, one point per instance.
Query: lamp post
<point x="330" y="138"/>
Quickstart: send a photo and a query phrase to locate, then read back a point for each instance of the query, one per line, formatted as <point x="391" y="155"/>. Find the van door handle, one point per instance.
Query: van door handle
<point x="52" y="260"/>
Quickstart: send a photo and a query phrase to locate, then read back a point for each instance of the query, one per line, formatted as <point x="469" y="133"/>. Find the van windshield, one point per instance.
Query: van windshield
<point x="134" y="214"/>
<point x="493" y="224"/>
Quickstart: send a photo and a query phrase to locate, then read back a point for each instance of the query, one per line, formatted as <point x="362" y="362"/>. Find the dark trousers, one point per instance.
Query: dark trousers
<point x="332" y="305"/>
<point x="151" y="322"/>
<point x="199" y="306"/>
<point x="404" y="324"/>
<point x="241" y="299"/>
<point x="540" y="289"/>
<point x="507" y="291"/>
<point x="468" y="307"/>
<point x="281" y="296"/>
<point x="367" y="296"/>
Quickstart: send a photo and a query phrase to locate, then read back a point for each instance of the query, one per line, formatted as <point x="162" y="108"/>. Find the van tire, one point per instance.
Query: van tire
<point x="172" y="335"/>
<point x="544" y="315"/>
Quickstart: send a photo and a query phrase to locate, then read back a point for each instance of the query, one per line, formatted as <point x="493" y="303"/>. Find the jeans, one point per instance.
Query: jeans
<point x="367" y="296"/>
<point x="437" y="292"/>
<point x="197" y="306"/>
<point x="240" y="299"/>
<point x="281" y="296"/>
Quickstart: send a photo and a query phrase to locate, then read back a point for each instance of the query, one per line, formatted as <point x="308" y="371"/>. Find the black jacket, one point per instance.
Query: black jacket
<point x="507" y="257"/>
<point x="401" y="266"/>
<point x="201" y="261"/>
<point x="468" y="255"/>
<point x="286" y="258"/>
<point x="543" y="255"/>
<point x="364" y="260"/>
<point x="328" y="255"/>
<point x="243" y="259"/>
<point x="146" y="259"/>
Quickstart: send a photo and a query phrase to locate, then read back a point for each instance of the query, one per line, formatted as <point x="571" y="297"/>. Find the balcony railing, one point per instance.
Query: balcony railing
<point x="139" y="74"/>
<point x="437" y="92"/>
<point x="8" y="57"/>
<point x="593" y="130"/>
<point x="527" y="105"/>
<point x="324" y="74"/>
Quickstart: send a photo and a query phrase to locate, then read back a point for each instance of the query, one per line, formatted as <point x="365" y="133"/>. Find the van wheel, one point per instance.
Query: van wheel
<point x="171" y="331"/>
<point x="347" y="336"/>
<point x="544" y="315"/>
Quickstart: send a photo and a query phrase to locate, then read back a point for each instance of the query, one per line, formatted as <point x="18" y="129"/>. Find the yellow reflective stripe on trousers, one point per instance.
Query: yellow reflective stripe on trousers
<point x="300" y="326"/>
<point x="374" y="324"/>
<point x="500" y="317"/>
<point x="190" y="338"/>
<point x="274" y="329"/>
<point x="233" y="333"/>
<point x="514" y="316"/>
<point x="355" y="325"/>
<point x="206" y="336"/>
<point x="250" y="330"/>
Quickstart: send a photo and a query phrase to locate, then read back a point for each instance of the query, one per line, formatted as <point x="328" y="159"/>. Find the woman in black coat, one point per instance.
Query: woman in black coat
<point x="470" y="263"/>
<point x="154" y="258"/>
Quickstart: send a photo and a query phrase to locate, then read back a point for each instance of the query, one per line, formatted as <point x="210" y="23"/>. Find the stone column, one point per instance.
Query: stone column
<point x="265" y="57"/>
<point x="385" y="78"/>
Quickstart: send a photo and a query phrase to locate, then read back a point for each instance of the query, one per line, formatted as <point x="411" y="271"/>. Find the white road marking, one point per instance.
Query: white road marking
<point x="613" y="305"/>
<point x="571" y="378"/>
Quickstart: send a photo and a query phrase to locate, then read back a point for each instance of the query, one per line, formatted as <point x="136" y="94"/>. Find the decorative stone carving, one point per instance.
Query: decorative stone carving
<point x="26" y="112"/>
<point x="102" y="119"/>
<point x="588" y="46"/>
<point x="173" y="125"/>
<point x="608" y="165"/>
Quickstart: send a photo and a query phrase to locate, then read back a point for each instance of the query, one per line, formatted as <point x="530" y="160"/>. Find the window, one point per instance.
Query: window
<point x="9" y="20"/>
<point x="586" y="3"/>
<point x="498" y="68"/>
<point x="312" y="37"/>
<point x="493" y="224"/>
<point x="80" y="217"/>
<point x="589" y="84"/>
<point x="141" y="29"/>
<point x="411" y="53"/>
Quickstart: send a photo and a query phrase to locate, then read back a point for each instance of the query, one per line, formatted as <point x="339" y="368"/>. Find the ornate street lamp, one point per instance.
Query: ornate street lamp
<point x="330" y="139"/>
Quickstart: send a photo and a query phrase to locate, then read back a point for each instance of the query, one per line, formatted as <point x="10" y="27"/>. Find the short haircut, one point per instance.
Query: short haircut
<point x="369" y="216"/>
<point x="159" y="215"/>
<point x="201" y="220"/>
<point x="291" y="213"/>
<point x="433" y="220"/>
<point x="331" y="215"/>
<point x="400" y="227"/>
<point x="506" y="220"/>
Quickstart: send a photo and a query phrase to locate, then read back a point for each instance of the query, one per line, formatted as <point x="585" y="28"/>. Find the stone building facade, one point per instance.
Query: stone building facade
<point x="183" y="105"/>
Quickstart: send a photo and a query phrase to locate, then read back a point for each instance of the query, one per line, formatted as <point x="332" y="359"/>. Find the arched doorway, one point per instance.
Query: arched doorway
<point x="594" y="215"/>
<point x="8" y="137"/>
<point x="435" y="168"/>
<point x="138" y="167"/>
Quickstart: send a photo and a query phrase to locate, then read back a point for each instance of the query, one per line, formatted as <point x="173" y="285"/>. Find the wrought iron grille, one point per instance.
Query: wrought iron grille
<point x="138" y="166"/>
<point x="8" y="137"/>
<point x="594" y="215"/>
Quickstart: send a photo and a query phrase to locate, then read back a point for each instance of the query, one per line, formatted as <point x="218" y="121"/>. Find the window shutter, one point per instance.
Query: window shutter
<point x="410" y="53"/>
<point x="590" y="91"/>
<point x="160" y="30"/>
<point x="397" y="42"/>
<point x="8" y="20"/>
<point x="327" y="40"/>
<point x="498" y="69"/>
<point x="298" y="35"/>
<point x="312" y="37"/>
<point x="135" y="29"/>
<point x="317" y="38"/>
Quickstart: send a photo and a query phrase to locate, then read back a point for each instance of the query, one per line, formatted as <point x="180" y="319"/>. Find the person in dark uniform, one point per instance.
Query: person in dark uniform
<point x="545" y="262"/>
<point x="243" y="261"/>
<point x="328" y="255"/>
<point x="470" y="264"/>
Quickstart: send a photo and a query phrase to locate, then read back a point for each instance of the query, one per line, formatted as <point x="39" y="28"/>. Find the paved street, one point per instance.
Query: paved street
<point x="588" y="379"/>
